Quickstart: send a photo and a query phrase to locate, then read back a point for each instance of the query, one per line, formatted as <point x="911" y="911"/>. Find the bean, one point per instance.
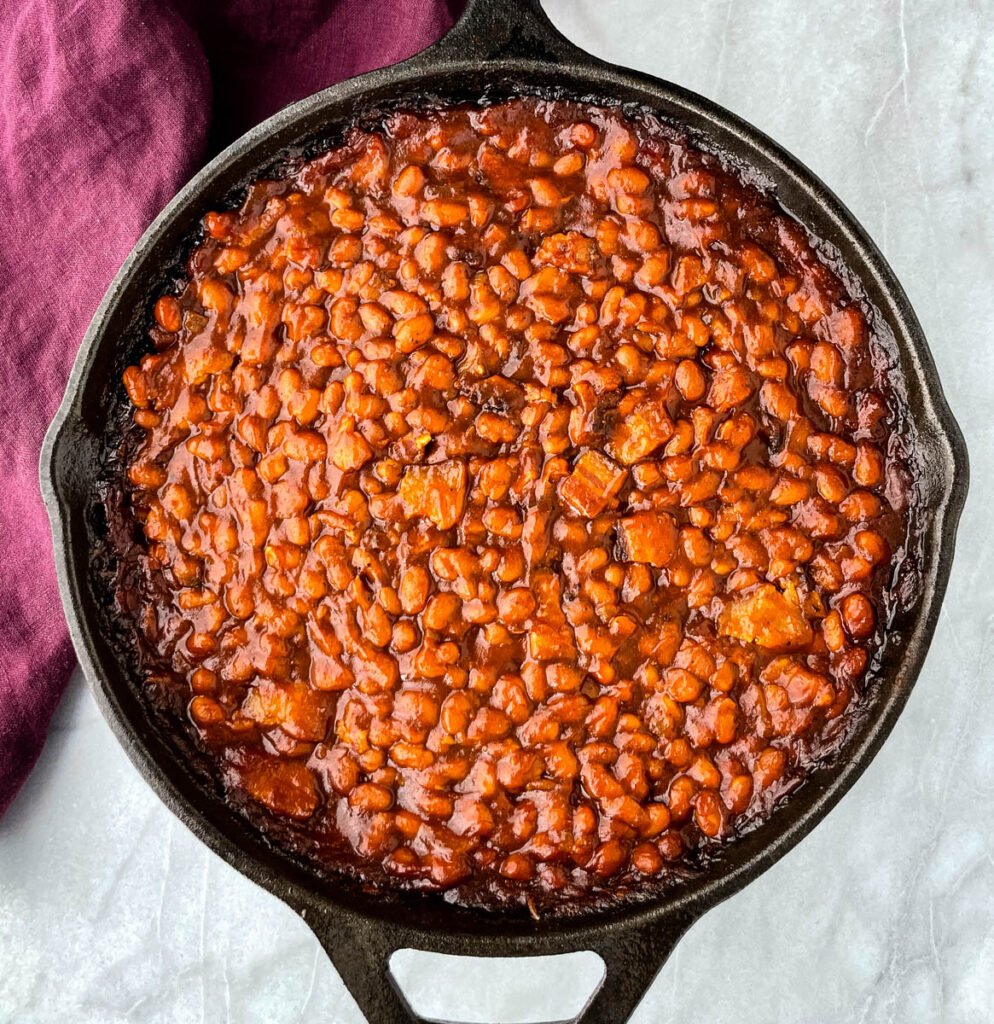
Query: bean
<point x="168" y="314"/>
<point x="443" y="214"/>
<point x="858" y="615"/>
<point x="409" y="181"/>
<point x="369" y="796"/>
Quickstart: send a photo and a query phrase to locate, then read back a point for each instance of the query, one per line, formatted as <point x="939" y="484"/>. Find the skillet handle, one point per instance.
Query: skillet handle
<point x="632" y="959"/>
<point x="360" y="951"/>
<point x="489" y="29"/>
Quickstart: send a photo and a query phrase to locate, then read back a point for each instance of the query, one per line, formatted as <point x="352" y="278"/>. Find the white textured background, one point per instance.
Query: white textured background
<point x="111" y="911"/>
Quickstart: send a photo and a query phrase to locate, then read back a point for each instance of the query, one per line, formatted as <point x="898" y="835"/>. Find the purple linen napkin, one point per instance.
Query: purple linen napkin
<point x="107" y="107"/>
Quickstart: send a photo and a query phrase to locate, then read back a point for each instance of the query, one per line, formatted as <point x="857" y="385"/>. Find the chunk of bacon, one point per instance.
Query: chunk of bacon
<point x="568" y="251"/>
<point x="437" y="491"/>
<point x="648" y="537"/>
<point x="286" y="787"/>
<point x="300" y="711"/>
<point x="594" y="482"/>
<point x="641" y="432"/>
<point x="766" y="617"/>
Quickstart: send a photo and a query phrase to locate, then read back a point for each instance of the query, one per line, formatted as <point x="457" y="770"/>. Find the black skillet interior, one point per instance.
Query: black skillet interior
<point x="500" y="48"/>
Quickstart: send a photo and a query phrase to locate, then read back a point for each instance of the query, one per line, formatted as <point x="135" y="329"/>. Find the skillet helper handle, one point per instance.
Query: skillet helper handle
<point x="632" y="959"/>
<point x="489" y="29"/>
<point x="360" y="951"/>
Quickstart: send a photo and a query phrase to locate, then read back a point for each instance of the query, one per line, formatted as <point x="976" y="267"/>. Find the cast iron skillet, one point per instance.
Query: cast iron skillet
<point x="500" y="48"/>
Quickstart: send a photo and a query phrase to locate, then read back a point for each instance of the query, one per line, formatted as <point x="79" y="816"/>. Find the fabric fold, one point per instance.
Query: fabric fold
<point x="108" y="106"/>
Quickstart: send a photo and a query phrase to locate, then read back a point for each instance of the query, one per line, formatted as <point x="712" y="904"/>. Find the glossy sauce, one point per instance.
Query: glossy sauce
<point x="518" y="494"/>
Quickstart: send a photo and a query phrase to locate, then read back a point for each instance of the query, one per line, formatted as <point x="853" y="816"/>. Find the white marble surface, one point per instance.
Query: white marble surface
<point x="111" y="911"/>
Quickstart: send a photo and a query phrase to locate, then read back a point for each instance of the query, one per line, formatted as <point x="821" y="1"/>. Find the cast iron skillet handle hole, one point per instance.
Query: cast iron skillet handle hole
<point x="360" y="951"/>
<point x="490" y="29"/>
<point x="526" y="989"/>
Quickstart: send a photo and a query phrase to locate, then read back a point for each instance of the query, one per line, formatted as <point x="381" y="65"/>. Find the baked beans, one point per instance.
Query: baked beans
<point x="518" y="500"/>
